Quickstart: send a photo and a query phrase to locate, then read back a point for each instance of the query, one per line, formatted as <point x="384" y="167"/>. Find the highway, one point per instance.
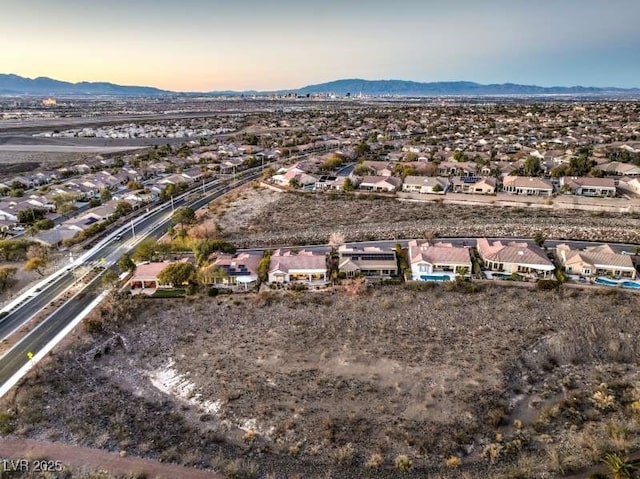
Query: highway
<point x="153" y="224"/>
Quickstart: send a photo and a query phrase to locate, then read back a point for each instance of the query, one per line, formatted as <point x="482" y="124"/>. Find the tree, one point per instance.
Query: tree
<point x="125" y="263"/>
<point x="36" y="264"/>
<point x="134" y="185"/>
<point x="362" y="149"/>
<point x="596" y="172"/>
<point x="264" y="265"/>
<point x="44" y="224"/>
<point x="184" y="216"/>
<point x="109" y="278"/>
<point x="30" y="215"/>
<point x="6" y="276"/>
<point x="539" y="239"/>
<point x="105" y="195"/>
<point x="437" y="188"/>
<point x="177" y="274"/>
<point x="123" y="208"/>
<point x="361" y="169"/>
<point x="293" y="183"/>
<point x="531" y="166"/>
<point x="145" y="251"/>
<point x="348" y="185"/>
<point x="410" y="156"/>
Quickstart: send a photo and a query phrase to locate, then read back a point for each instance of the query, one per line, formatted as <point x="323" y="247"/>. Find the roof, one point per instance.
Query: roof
<point x="597" y="256"/>
<point x="305" y="260"/>
<point x="243" y="264"/>
<point x="527" y="182"/>
<point x="515" y="253"/>
<point x="439" y="253"/>
<point x="428" y="181"/>
<point x="150" y="270"/>
<point x="585" y="181"/>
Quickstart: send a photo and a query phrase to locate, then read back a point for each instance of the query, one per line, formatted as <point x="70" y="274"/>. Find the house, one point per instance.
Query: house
<point x="387" y="184"/>
<point x="456" y="168"/>
<point x="54" y="237"/>
<point x="379" y="168"/>
<point x="513" y="257"/>
<point x="596" y="261"/>
<point x="585" y="186"/>
<point x="370" y="261"/>
<point x="306" y="266"/>
<point x="630" y="185"/>
<point x="293" y="175"/>
<point x="337" y="183"/>
<point x="438" y="262"/>
<point x="425" y="184"/>
<point x="621" y="169"/>
<point x="527" y="185"/>
<point x="240" y="269"/>
<point x="474" y="184"/>
<point x="145" y="276"/>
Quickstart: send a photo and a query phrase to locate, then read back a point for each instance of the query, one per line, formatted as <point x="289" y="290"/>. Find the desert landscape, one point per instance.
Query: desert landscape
<point x="406" y="381"/>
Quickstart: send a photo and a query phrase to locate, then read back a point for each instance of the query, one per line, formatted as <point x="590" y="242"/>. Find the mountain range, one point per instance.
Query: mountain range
<point x="42" y="86"/>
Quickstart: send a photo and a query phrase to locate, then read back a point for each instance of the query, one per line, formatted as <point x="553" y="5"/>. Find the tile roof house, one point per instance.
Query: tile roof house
<point x="380" y="183"/>
<point x="631" y="185"/>
<point x="370" y="261"/>
<point x="305" y="266"/>
<point x="425" y="184"/>
<point x="146" y="276"/>
<point x="596" y="261"/>
<point x="439" y="261"/>
<point x="239" y="269"/>
<point x="514" y="257"/>
<point x="527" y="185"/>
<point x="471" y="184"/>
<point x="586" y="186"/>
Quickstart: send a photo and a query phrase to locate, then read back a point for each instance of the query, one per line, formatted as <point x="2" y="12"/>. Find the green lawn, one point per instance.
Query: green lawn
<point x="169" y="293"/>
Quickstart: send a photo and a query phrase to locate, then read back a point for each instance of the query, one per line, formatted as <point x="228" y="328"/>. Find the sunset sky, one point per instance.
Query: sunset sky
<point x="198" y="45"/>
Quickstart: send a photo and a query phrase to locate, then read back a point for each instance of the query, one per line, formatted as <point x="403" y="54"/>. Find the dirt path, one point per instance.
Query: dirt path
<point x="87" y="458"/>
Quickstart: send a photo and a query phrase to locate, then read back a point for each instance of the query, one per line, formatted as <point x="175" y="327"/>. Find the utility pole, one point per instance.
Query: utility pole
<point x="203" y="190"/>
<point x="172" y="208"/>
<point x="133" y="230"/>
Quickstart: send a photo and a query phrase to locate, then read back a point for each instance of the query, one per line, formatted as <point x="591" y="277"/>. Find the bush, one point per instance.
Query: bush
<point x="547" y="284"/>
<point x="212" y="292"/>
<point x="403" y="463"/>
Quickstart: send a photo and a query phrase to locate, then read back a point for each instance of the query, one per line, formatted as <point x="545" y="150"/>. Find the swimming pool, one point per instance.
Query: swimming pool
<point x="434" y="277"/>
<point x="624" y="284"/>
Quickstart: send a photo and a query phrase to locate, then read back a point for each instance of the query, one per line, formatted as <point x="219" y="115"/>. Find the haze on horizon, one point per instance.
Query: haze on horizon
<point x="195" y="45"/>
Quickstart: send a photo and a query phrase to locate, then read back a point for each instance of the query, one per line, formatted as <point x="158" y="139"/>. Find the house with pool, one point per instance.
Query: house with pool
<point x="439" y="261"/>
<point x="596" y="261"/>
<point x="508" y="258"/>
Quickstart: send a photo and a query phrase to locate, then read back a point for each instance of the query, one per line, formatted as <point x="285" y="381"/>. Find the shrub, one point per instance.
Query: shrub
<point x="403" y="463"/>
<point x="547" y="284"/>
<point x="375" y="461"/>
<point x="453" y="462"/>
<point x="212" y="292"/>
<point x="345" y="455"/>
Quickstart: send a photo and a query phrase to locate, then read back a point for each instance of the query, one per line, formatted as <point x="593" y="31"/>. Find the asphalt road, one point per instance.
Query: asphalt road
<point x="154" y="225"/>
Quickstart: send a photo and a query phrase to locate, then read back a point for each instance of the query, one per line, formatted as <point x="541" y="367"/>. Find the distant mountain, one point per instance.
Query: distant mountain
<point x="17" y="85"/>
<point x="411" y="88"/>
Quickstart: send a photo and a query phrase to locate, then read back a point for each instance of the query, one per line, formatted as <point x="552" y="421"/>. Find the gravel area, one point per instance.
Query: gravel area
<point x="296" y="219"/>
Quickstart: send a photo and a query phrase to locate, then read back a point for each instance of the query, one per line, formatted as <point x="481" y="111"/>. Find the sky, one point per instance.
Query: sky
<point x="205" y="45"/>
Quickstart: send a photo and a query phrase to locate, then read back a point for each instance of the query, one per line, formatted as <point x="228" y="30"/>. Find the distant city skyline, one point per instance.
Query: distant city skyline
<point x="195" y="45"/>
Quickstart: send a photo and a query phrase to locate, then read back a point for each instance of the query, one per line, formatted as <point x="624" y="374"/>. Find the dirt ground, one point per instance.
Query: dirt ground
<point x="342" y="384"/>
<point x="296" y="218"/>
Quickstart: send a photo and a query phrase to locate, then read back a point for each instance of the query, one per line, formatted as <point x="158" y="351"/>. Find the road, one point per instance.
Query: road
<point x="153" y="224"/>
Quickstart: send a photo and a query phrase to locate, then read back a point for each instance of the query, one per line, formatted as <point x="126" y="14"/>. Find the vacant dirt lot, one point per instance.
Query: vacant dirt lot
<point x="288" y="218"/>
<point x="503" y="382"/>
